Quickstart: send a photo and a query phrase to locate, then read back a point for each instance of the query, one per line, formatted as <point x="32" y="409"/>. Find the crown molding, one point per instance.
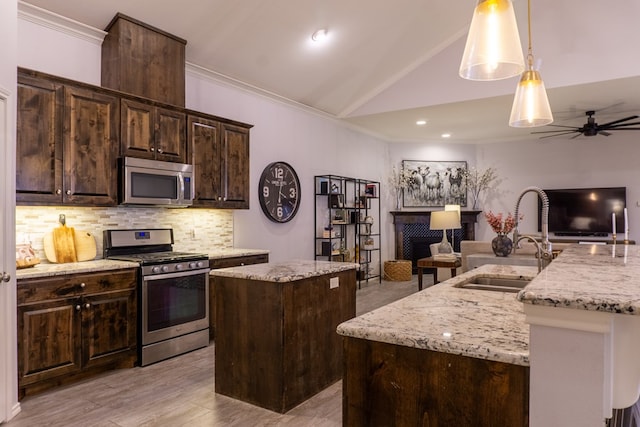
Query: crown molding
<point x="45" y="18"/>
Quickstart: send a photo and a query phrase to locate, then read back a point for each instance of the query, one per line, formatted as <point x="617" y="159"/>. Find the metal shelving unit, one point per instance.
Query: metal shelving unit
<point x="347" y="223"/>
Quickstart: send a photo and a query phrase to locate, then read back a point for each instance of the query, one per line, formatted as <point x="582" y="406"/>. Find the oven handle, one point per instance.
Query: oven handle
<point x="177" y="274"/>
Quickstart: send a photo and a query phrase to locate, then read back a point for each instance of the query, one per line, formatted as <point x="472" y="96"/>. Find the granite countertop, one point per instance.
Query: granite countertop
<point x="590" y="277"/>
<point x="288" y="271"/>
<point x="476" y="323"/>
<point x="49" y="270"/>
<point x="45" y="269"/>
<point x="235" y="252"/>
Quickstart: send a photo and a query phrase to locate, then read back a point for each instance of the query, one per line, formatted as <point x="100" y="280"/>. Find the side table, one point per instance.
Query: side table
<point x="435" y="264"/>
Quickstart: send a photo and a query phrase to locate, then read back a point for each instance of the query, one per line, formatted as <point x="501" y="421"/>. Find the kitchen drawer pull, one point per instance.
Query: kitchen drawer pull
<point x="82" y="285"/>
<point x="68" y="192"/>
<point x="78" y="307"/>
<point x="160" y="150"/>
<point x="58" y="191"/>
<point x="153" y="149"/>
<point x="87" y="305"/>
<point x="6" y="277"/>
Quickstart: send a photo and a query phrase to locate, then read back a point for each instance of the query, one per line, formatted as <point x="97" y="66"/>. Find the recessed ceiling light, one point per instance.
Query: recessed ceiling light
<point x="446" y="135"/>
<point x="320" y="35"/>
<point x="421" y="122"/>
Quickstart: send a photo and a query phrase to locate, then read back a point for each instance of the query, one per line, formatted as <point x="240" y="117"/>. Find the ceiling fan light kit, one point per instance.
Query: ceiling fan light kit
<point x="493" y="50"/>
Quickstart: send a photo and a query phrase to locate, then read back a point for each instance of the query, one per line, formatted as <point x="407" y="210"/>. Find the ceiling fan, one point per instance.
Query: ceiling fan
<point x="591" y="128"/>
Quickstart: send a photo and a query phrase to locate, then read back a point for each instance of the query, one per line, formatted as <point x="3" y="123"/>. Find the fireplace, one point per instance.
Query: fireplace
<point x="413" y="235"/>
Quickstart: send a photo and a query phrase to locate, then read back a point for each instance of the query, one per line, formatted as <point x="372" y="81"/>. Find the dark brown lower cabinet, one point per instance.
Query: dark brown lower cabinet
<point x="276" y="342"/>
<point x="391" y="385"/>
<point x="74" y="326"/>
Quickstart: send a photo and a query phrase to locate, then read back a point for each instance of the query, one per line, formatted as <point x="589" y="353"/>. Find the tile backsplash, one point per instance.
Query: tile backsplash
<point x="194" y="230"/>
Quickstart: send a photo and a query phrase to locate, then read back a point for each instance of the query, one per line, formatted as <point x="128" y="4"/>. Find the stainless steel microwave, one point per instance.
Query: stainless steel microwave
<point x="156" y="183"/>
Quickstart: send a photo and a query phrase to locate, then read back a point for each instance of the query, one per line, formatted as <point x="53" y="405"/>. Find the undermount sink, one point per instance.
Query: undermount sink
<point x="490" y="283"/>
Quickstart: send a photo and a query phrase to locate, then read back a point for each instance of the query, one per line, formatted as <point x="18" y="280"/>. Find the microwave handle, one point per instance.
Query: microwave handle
<point x="181" y="181"/>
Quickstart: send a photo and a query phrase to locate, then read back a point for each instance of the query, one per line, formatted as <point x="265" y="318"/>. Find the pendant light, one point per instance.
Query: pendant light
<point x="530" y="104"/>
<point x="493" y="50"/>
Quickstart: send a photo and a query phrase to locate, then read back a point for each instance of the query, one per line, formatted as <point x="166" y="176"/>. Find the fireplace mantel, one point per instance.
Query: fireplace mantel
<point x="468" y="219"/>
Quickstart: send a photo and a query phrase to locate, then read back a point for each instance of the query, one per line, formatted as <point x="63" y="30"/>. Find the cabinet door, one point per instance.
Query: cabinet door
<point x="235" y="166"/>
<point x="48" y="340"/>
<point x="137" y="130"/>
<point x="204" y="149"/>
<point x="170" y="135"/>
<point x="108" y="327"/>
<point x="90" y="147"/>
<point x="39" y="141"/>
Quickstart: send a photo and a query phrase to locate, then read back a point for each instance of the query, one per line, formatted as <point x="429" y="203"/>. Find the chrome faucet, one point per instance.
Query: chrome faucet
<point x="545" y="253"/>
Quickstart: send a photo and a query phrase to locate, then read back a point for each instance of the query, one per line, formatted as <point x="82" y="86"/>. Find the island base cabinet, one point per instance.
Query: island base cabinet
<point x="276" y="342"/>
<point x="391" y="385"/>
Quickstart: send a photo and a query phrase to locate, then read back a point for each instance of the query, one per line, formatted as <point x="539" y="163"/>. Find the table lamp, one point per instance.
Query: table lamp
<point x="443" y="220"/>
<point x="457" y="209"/>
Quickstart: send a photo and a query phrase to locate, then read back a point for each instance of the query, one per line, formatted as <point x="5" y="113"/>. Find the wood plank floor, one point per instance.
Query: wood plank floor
<point x="180" y="391"/>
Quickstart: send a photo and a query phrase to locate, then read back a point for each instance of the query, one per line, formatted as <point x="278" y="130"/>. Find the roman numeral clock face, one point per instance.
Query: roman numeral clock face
<point x="279" y="192"/>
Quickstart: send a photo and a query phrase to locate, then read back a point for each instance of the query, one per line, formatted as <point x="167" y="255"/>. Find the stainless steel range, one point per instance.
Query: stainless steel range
<point x="173" y="292"/>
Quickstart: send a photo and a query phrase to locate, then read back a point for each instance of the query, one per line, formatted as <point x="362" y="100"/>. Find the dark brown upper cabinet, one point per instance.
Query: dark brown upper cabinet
<point x="220" y="156"/>
<point x="152" y="132"/>
<point x="66" y="151"/>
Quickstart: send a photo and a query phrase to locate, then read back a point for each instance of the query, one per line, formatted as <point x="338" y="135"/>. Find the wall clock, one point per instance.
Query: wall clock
<point x="279" y="192"/>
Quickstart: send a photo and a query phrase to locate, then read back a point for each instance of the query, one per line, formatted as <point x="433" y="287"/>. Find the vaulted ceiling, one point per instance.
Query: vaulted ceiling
<point x="387" y="63"/>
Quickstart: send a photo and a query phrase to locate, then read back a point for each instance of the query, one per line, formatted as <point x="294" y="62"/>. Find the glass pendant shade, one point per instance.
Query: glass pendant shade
<point x="493" y="50"/>
<point x="530" y="104"/>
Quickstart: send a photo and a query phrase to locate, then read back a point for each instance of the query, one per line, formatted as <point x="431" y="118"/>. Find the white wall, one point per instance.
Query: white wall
<point x="562" y="163"/>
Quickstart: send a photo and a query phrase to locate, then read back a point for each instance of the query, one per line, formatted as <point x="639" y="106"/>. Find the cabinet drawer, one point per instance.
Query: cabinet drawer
<point x="238" y="261"/>
<point x="51" y="288"/>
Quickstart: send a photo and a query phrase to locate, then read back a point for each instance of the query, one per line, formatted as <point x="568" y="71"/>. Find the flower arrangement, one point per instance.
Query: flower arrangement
<point x="398" y="181"/>
<point x="499" y="226"/>
<point x="479" y="181"/>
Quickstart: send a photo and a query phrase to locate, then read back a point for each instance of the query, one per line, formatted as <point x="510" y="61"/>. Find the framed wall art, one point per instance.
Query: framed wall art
<point x="431" y="183"/>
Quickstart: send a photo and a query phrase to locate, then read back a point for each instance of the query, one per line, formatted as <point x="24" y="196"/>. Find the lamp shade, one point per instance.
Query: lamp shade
<point x="453" y="208"/>
<point x="530" y="104"/>
<point x="444" y="220"/>
<point x="493" y="50"/>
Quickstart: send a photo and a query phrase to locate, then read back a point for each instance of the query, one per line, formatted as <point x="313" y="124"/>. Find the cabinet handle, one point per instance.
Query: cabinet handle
<point x="82" y="285"/>
<point x="87" y="305"/>
<point x="58" y="191"/>
<point x="78" y="307"/>
<point x="5" y="277"/>
<point x="160" y="150"/>
<point x="219" y="198"/>
<point x="153" y="149"/>
<point x="68" y="192"/>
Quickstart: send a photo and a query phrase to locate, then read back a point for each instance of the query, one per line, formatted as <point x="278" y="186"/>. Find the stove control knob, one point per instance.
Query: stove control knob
<point x="165" y="268"/>
<point x="200" y="264"/>
<point x="179" y="266"/>
<point x="192" y="264"/>
<point x="155" y="269"/>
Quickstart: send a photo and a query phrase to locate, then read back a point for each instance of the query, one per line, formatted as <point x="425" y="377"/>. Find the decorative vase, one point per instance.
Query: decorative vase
<point x="501" y="245"/>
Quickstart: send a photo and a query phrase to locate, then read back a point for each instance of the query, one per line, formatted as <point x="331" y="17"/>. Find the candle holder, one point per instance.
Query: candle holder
<point x="613" y="236"/>
<point x="626" y="241"/>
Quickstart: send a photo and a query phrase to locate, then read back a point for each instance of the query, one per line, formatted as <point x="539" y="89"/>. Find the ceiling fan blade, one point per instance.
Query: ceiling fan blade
<point x="557" y="131"/>
<point x="623" y="124"/>
<point x="618" y="121"/>
<point x="620" y="128"/>
<point x="604" y="132"/>
<point x="557" y="134"/>
<point x="574" y="137"/>
<point x="562" y="126"/>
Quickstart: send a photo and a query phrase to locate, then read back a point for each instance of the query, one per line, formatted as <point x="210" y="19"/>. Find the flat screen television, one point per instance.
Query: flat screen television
<point x="585" y="211"/>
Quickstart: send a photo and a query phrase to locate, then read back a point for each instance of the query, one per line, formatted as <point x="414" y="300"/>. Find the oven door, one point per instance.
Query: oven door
<point x="174" y="304"/>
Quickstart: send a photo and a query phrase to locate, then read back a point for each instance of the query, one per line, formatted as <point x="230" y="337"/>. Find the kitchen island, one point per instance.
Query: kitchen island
<point x="443" y="356"/>
<point x="276" y="340"/>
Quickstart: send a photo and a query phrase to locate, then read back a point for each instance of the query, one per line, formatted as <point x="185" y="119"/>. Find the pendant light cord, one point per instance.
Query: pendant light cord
<point x="530" y="52"/>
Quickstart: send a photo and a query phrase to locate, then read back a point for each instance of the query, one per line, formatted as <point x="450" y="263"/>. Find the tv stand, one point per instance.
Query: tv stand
<point x="582" y="234"/>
